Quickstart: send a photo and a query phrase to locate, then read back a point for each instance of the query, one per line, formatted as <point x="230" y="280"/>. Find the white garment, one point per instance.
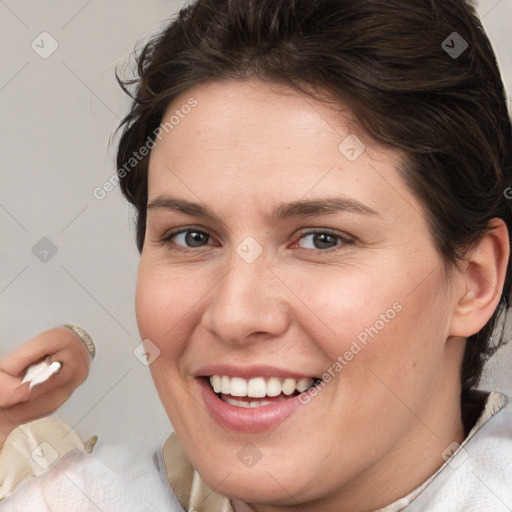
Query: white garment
<point x="478" y="477"/>
<point x="80" y="482"/>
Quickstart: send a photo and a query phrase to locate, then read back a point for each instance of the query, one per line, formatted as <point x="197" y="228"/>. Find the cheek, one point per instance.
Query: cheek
<point x="374" y="320"/>
<point x="348" y="304"/>
<point x="165" y="310"/>
<point x="165" y="305"/>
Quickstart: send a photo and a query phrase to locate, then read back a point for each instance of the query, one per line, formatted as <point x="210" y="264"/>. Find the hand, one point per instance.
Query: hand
<point x="18" y="403"/>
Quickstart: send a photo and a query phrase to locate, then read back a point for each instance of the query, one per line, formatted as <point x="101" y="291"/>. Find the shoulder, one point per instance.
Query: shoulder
<point x="113" y="479"/>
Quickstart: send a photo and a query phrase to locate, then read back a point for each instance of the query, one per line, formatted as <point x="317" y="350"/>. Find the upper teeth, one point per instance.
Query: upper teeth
<point x="258" y="387"/>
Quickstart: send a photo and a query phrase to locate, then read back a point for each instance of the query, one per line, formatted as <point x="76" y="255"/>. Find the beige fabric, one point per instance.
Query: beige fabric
<point x="192" y="493"/>
<point x="195" y="496"/>
<point x="32" y="448"/>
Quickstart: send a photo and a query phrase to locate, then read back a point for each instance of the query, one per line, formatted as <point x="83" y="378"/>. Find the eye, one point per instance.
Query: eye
<point x="321" y="240"/>
<point x="190" y="238"/>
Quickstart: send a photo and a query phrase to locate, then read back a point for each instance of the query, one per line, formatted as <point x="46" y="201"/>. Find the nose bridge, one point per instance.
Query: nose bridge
<point x="247" y="300"/>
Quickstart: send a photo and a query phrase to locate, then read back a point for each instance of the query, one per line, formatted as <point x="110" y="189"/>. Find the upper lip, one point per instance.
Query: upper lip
<point x="248" y="372"/>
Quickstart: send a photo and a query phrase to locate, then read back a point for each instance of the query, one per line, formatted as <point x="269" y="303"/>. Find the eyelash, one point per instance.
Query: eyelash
<point x="343" y="240"/>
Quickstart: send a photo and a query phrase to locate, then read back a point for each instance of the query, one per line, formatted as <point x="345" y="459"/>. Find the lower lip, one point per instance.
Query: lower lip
<point x="257" y="419"/>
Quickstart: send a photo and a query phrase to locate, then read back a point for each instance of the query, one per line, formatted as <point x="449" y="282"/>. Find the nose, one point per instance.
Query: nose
<point x="248" y="303"/>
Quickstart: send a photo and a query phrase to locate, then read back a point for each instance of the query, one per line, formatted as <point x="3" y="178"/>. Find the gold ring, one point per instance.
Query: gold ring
<point x="85" y="337"/>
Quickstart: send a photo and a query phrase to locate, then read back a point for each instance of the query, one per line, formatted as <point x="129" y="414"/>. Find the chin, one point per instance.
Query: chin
<point x="267" y="482"/>
<point x="257" y="488"/>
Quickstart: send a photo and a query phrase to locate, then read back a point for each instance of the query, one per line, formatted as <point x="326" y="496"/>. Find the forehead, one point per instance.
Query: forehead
<point x="251" y="141"/>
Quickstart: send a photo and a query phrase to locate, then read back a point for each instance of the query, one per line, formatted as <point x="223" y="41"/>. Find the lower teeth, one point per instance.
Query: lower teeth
<point x="253" y="404"/>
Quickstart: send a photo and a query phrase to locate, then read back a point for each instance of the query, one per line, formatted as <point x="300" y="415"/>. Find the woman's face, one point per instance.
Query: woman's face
<point x="279" y="252"/>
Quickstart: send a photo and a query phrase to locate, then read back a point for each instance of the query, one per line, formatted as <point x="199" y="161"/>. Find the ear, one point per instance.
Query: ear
<point x="482" y="278"/>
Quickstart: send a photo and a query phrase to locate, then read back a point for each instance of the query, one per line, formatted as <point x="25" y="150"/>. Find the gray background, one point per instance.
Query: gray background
<point x="57" y="115"/>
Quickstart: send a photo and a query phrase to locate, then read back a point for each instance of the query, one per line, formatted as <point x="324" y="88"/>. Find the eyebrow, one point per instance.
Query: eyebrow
<point x="182" y="206"/>
<point x="296" y="209"/>
<point x="327" y="206"/>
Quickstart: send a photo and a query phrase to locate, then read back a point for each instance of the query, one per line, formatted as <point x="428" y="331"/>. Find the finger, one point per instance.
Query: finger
<point x="42" y="402"/>
<point x="36" y="349"/>
<point x="12" y="391"/>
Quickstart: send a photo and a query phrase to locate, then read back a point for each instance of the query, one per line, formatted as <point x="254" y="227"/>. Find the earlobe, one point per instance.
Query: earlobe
<point x="482" y="281"/>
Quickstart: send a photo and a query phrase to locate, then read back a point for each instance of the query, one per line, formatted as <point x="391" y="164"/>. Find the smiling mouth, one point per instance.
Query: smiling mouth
<point x="258" y="391"/>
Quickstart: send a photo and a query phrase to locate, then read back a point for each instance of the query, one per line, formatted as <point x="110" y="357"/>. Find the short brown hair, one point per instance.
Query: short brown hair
<point x="391" y="63"/>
